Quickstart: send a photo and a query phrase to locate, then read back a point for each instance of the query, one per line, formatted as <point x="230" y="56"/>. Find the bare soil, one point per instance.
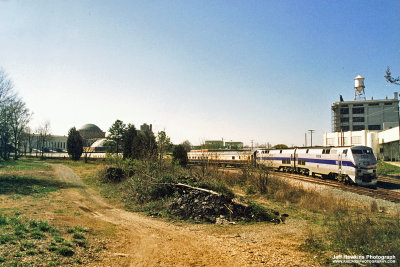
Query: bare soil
<point x="133" y="239"/>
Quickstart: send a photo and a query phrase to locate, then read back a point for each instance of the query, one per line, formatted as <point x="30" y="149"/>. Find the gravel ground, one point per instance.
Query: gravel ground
<point x="350" y="196"/>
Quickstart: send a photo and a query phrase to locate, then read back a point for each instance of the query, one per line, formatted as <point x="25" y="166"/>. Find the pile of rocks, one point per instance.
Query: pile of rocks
<point x="203" y="205"/>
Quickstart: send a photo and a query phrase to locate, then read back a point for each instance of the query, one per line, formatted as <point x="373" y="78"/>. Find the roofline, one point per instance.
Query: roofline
<point x="364" y="101"/>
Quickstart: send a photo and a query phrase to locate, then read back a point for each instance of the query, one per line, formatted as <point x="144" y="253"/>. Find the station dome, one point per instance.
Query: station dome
<point x="91" y="131"/>
<point x="90" y="127"/>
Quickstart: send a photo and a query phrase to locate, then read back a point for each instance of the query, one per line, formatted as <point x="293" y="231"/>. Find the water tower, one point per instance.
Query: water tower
<point x="359" y="93"/>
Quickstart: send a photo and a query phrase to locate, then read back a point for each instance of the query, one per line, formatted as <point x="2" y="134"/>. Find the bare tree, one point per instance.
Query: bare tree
<point x="43" y="135"/>
<point x="18" y="120"/>
<point x="390" y="79"/>
<point x="7" y="95"/>
<point x="6" y="88"/>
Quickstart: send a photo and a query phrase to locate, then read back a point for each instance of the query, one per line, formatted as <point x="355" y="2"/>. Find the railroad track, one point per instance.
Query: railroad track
<point x="387" y="179"/>
<point x="376" y="193"/>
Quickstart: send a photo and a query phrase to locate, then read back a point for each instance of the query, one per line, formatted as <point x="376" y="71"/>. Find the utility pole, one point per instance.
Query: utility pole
<point x="311" y="131"/>
<point x="252" y="145"/>
<point x="305" y="139"/>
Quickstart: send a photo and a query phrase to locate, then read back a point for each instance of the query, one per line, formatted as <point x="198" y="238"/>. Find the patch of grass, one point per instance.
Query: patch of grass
<point x="27" y="244"/>
<point x="27" y="240"/>
<point x="31" y="252"/>
<point x="66" y="251"/>
<point x="58" y="211"/>
<point x="6" y="238"/>
<point x="15" y="185"/>
<point x="383" y="168"/>
<point x="37" y="234"/>
<point x="80" y="242"/>
<point x="78" y="236"/>
<point x="22" y="165"/>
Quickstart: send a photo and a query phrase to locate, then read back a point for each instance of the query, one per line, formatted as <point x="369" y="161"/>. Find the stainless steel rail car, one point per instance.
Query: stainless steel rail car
<point x="220" y="157"/>
<point x="355" y="164"/>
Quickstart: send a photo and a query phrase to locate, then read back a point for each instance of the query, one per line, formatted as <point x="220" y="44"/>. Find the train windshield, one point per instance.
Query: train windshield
<point x="361" y="151"/>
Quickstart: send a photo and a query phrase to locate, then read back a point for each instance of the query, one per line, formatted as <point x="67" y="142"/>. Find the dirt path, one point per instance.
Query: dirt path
<point x="144" y="241"/>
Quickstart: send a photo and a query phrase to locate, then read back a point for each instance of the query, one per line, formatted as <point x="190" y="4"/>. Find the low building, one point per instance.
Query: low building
<point x="91" y="133"/>
<point x="234" y="145"/>
<point x="52" y="143"/>
<point x="385" y="144"/>
<point x="214" y="144"/>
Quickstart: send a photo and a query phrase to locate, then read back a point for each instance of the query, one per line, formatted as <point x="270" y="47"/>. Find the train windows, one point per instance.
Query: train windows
<point x="345" y="151"/>
<point x="326" y="151"/>
<point x="301" y="162"/>
<point x="356" y="151"/>
<point x="307" y="151"/>
<point x="285" y="161"/>
<point x="233" y="157"/>
<point x="280" y="152"/>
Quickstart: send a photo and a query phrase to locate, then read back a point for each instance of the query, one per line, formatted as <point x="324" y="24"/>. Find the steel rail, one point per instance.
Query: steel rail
<point x="377" y="193"/>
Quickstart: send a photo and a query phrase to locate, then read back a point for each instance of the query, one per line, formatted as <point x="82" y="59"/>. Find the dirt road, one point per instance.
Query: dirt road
<point x="145" y="241"/>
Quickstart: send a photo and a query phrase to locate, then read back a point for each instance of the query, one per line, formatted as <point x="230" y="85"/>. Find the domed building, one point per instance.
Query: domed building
<point x="91" y="133"/>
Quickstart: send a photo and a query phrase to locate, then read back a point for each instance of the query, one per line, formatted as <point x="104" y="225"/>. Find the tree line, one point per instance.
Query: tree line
<point x="14" y="119"/>
<point x="132" y="143"/>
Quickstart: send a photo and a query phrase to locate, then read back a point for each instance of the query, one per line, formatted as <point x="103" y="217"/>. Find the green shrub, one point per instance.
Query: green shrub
<point x="44" y="226"/>
<point x="5" y="238"/>
<point x="66" y="251"/>
<point x="3" y="220"/>
<point x="259" y="213"/>
<point x="37" y="234"/>
<point x="250" y="190"/>
<point x="78" y="236"/>
<point x="114" y="175"/>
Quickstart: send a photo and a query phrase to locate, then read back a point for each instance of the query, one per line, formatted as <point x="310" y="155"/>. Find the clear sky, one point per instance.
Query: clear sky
<point x="245" y="70"/>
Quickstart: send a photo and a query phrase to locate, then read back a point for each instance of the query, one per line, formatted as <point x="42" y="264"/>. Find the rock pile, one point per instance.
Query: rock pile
<point x="203" y="205"/>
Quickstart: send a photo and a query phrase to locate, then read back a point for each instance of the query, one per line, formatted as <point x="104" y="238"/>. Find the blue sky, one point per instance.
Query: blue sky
<point x="240" y="70"/>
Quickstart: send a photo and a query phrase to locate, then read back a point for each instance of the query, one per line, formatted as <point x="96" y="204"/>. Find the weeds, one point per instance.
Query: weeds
<point x="22" y="238"/>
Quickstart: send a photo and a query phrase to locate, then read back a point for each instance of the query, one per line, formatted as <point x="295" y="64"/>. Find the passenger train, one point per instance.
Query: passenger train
<point x="354" y="165"/>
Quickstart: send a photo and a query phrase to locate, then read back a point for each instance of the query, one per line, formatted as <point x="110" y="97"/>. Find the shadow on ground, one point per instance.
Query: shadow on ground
<point x="387" y="185"/>
<point x="28" y="185"/>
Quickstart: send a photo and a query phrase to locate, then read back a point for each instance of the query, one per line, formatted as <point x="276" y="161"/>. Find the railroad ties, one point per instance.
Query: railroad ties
<point x="379" y="192"/>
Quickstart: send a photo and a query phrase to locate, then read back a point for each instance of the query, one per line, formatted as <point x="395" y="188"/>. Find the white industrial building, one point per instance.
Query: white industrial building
<point x="384" y="143"/>
<point x="373" y="123"/>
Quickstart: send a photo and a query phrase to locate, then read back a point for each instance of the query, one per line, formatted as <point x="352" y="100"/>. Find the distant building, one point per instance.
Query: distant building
<point x="362" y="114"/>
<point x="54" y="143"/>
<point x="146" y="128"/>
<point x="214" y="144"/>
<point x="91" y="133"/>
<point x="234" y="145"/>
<point x="385" y="144"/>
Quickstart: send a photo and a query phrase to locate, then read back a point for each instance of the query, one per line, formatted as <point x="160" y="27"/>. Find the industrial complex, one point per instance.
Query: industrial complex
<point x="373" y="123"/>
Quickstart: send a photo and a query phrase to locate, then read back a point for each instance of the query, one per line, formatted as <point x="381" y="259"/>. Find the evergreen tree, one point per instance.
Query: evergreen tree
<point x="180" y="155"/>
<point x="74" y="144"/>
<point x="144" y="145"/>
<point x="116" y="131"/>
<point x="127" y="141"/>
